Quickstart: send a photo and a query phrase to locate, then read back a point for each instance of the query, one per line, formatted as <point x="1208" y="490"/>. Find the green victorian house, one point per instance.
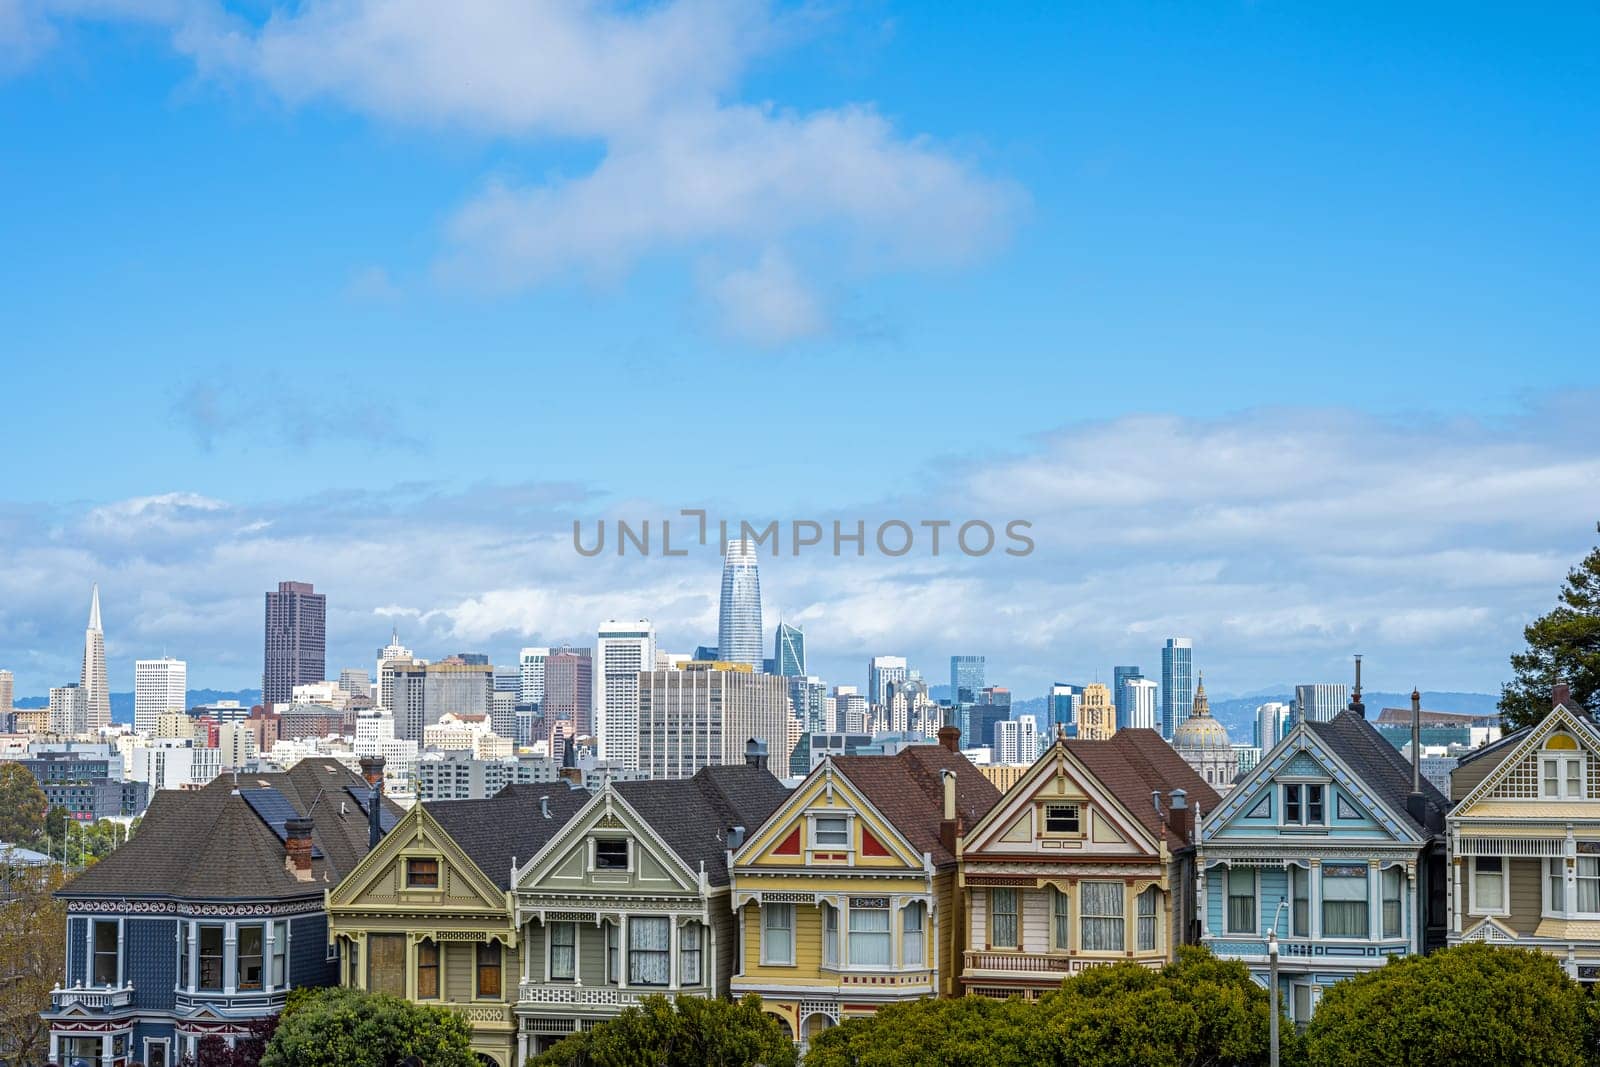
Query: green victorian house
<point x="427" y="914"/>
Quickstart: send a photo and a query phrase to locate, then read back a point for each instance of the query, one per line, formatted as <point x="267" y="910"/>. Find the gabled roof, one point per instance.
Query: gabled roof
<point x="1133" y="764"/>
<point x="210" y="844"/>
<point x="908" y="790"/>
<point x="1512" y="749"/>
<point x="509" y="826"/>
<point x="1380" y="765"/>
<point x="694" y="815"/>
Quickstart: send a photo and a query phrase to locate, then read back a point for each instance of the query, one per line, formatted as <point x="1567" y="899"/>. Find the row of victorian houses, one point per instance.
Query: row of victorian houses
<point x="878" y="879"/>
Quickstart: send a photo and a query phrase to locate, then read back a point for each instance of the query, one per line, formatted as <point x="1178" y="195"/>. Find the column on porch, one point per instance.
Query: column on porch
<point x="1314" y="897"/>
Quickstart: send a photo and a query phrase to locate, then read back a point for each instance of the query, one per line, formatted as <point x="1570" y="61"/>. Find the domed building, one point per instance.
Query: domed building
<point x="1203" y="743"/>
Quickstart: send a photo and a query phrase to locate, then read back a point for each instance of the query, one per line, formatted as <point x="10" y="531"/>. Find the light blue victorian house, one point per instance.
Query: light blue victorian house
<point x="1336" y="845"/>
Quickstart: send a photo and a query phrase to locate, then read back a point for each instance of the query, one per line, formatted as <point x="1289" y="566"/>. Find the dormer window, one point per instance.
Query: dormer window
<point x="1062" y="819"/>
<point x="611" y="855"/>
<point x="1561" y="776"/>
<point x="831" y="831"/>
<point x="422" y="874"/>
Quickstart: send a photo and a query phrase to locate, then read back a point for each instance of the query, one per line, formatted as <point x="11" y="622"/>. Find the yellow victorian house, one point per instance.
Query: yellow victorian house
<point x="427" y="915"/>
<point x="845" y="897"/>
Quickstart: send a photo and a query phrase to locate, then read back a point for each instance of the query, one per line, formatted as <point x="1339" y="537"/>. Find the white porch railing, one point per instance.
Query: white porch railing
<point x="581" y="996"/>
<point x="97" y="999"/>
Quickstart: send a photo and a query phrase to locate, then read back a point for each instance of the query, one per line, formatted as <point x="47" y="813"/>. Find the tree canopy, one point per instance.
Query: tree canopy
<point x="688" y="1032"/>
<point x="1563" y="644"/>
<point x="22" y="805"/>
<point x="33" y="947"/>
<point x="351" y="1028"/>
<point x="1196" y="1012"/>
<point x="1470" y="1004"/>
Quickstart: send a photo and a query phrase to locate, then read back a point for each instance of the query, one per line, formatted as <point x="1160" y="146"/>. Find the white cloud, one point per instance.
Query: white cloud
<point x="767" y="304"/>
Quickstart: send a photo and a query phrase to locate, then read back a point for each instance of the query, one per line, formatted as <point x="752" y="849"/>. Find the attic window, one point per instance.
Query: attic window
<point x="831" y="831"/>
<point x="422" y="874"/>
<point x="611" y="855"/>
<point x="1062" y="819"/>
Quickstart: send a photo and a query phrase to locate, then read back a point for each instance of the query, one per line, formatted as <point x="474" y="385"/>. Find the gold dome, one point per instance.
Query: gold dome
<point x="1200" y="730"/>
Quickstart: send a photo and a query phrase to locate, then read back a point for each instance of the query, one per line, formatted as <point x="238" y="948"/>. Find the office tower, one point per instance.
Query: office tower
<point x="908" y="709"/>
<point x="993" y="706"/>
<point x="1061" y="709"/>
<point x="789" y="651"/>
<point x="705" y="714"/>
<point x="92" y="678"/>
<point x="705" y="654"/>
<point x="237" y="745"/>
<point x="530" y="664"/>
<point x="739" y="625"/>
<point x="159" y="685"/>
<point x="393" y="650"/>
<point x="1321" y="701"/>
<point x="355" y="681"/>
<point x="568" y="691"/>
<point x="881" y="670"/>
<point x="1141" y="697"/>
<point x="808" y="702"/>
<point x="1177" y="683"/>
<point x="69" y="710"/>
<point x="455" y="688"/>
<point x="473" y="659"/>
<point x="1272" y="720"/>
<point x="7" y="693"/>
<point x="1119" y="677"/>
<point x="402" y="685"/>
<point x="1097" y="716"/>
<point x="509" y="680"/>
<point x="966" y="679"/>
<point x="296" y="641"/>
<point x="850" y="710"/>
<point x="622" y="651"/>
<point x="1016" y="740"/>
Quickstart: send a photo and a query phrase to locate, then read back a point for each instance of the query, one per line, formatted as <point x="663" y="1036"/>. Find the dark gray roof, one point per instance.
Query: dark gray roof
<point x="210" y="844"/>
<point x="509" y="826"/>
<point x="693" y="815"/>
<point x="1380" y="765"/>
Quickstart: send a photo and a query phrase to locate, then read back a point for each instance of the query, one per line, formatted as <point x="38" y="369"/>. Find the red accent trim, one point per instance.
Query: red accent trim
<point x="871" y="846"/>
<point x="789" y="846"/>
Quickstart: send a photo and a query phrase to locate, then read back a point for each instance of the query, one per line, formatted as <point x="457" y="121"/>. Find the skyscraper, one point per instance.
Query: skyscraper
<point x="1061" y="709"/>
<point x="624" y="649"/>
<point x="393" y="650"/>
<point x="69" y="710"/>
<point x="1177" y="683"/>
<point x="7" y="692"/>
<point x="402" y="686"/>
<point x="92" y="679"/>
<point x="881" y="670"/>
<point x="739" y="626"/>
<point x="966" y="679"/>
<point x="355" y="681"/>
<point x="789" y="651"/>
<point x="569" y="690"/>
<point x="1321" y="701"/>
<point x="993" y="706"/>
<point x="703" y="716"/>
<point x="1141" y="704"/>
<point x="1097" y="716"/>
<point x="1272" y="719"/>
<point x="296" y="641"/>
<point x="159" y="686"/>
<point x="1123" y="700"/>
<point x="530" y="662"/>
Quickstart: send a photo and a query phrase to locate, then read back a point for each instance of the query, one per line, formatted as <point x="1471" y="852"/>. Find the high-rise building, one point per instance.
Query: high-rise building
<point x="849" y="710"/>
<point x="530" y="667"/>
<point x="355" y="681"/>
<point x="92" y="679"/>
<point x="7" y="693"/>
<point x="509" y="680"/>
<point x="1272" y="719"/>
<point x="159" y="685"/>
<point x="622" y="651"/>
<point x="456" y="688"/>
<point x="739" y="623"/>
<point x="402" y="686"/>
<point x="1141" y="697"/>
<point x="1177" y="683"/>
<point x="569" y="691"/>
<point x="808" y="702"/>
<point x="993" y="706"/>
<point x="789" y="651"/>
<point x="393" y="650"/>
<point x="1320" y="701"/>
<point x="1097" y="716"/>
<point x="882" y="670"/>
<point x="1119" y="677"/>
<point x="1016" y="740"/>
<point x="296" y="641"/>
<point x="1061" y="709"/>
<point x="69" y="710"/>
<point x="966" y="679"/>
<point x="705" y="714"/>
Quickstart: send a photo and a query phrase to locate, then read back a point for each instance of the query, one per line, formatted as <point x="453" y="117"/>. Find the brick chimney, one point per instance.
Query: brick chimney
<point x="755" y="754"/>
<point x="1180" y="817"/>
<point x="1560" y="694"/>
<point x="950" y="737"/>
<point x="297" y="848"/>
<point x="372" y="771"/>
<point x="950" y="826"/>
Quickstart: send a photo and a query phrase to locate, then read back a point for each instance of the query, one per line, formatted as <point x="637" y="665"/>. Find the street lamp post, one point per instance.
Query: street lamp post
<point x="1272" y="981"/>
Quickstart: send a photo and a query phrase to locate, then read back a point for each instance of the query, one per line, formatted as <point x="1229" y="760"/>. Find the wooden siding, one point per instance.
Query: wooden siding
<point x="1526" y="896"/>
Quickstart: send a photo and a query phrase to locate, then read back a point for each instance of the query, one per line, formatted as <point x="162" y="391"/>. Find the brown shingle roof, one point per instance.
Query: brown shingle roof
<point x="1133" y="764"/>
<point x="908" y="790"/>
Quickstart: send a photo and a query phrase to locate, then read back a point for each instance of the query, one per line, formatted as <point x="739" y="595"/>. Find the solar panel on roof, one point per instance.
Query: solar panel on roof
<point x="274" y="809"/>
<point x="386" y="818"/>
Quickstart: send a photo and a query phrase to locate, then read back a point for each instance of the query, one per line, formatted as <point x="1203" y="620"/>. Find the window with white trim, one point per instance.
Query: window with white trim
<point x="1344" y="900"/>
<point x="1305" y="804"/>
<point x="1060" y="919"/>
<point x="1148" y="918"/>
<point x="777" y="933"/>
<point x="1003" y="918"/>
<point x="830" y="831"/>
<point x="1561" y="777"/>
<point x="1393" y="879"/>
<point x="1488" y="884"/>
<point x="911" y="933"/>
<point x="105" y="967"/>
<point x="1101" y="919"/>
<point x="563" y="951"/>
<point x="1066" y="819"/>
<point x="869" y="932"/>
<point x="689" y="948"/>
<point x="830" y="935"/>
<point x="1299" y="901"/>
<point x="1241" y="910"/>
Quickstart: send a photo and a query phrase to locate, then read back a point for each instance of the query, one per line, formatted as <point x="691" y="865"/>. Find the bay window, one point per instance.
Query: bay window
<point x="427" y="970"/>
<point x="1102" y="916"/>
<point x="1393" y="879"/>
<point x="248" y="958"/>
<point x="1299" y="902"/>
<point x="649" y="950"/>
<point x="613" y="970"/>
<point x="210" y="956"/>
<point x="830" y="935"/>
<point x="689" y="941"/>
<point x="1344" y="900"/>
<point x="869" y="932"/>
<point x="1060" y="920"/>
<point x="183" y="956"/>
<point x="280" y="954"/>
<point x="386" y="964"/>
<point x="911" y="923"/>
<point x="105" y="971"/>
<point x="1241" y="916"/>
<point x="1488" y="884"/>
<point x="1003" y="918"/>
<point x="489" y="963"/>
<point x="563" y="951"/>
<point x="1148" y="918"/>
<point x="777" y="933"/>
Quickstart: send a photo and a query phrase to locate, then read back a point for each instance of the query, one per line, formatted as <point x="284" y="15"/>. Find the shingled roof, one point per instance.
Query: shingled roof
<point x="510" y="826"/>
<point x="908" y="789"/>
<point x="1380" y="766"/>
<point x="1134" y="764"/>
<point x="210" y="844"/>
<point x="693" y="815"/>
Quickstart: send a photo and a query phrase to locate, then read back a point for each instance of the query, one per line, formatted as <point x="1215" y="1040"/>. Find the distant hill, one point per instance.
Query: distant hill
<point x="122" y="703"/>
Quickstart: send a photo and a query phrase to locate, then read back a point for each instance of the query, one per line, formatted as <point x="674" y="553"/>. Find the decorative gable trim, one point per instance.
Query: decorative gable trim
<point x="416" y="826"/>
<point x="1490" y="932"/>
<point x="1058" y="763"/>
<point x="1561" y="718"/>
<point x="606" y="810"/>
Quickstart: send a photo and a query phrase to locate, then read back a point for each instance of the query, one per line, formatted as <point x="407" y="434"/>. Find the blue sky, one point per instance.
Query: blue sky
<point x="285" y="282"/>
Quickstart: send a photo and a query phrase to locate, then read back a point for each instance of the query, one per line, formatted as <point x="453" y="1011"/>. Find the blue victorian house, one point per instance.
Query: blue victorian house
<point x="202" y="923"/>
<point x="1336" y="845"/>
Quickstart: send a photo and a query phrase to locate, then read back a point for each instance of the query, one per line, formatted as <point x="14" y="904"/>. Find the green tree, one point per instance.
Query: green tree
<point x="1563" y="644"/>
<point x="33" y="945"/>
<point x="22" y="805"/>
<point x="961" y="1032"/>
<point x="352" y="1028"/>
<point x="55" y="828"/>
<point x="688" y="1032"/>
<point x="1471" y="1004"/>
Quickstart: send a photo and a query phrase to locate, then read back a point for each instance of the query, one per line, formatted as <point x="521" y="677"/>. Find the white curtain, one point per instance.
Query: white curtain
<point x="1061" y="919"/>
<point x="561" y="950"/>
<point x="649" y="951"/>
<point x="689" y="954"/>
<point x="1392" y="898"/>
<point x="830" y="935"/>
<point x="1589" y="884"/>
<point x="869" y="937"/>
<point x="777" y="933"/>
<point x="1102" y="916"/>
<point x="1241" y="900"/>
<point x="1147" y="919"/>
<point x="911" y="935"/>
<point x="1344" y="904"/>
<point x="1003" y="918"/>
